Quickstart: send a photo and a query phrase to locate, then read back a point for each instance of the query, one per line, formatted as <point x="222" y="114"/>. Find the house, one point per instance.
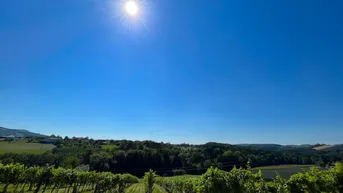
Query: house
<point x="11" y="138"/>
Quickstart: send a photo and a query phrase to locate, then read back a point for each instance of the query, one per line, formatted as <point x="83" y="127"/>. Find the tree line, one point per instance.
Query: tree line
<point x="137" y="157"/>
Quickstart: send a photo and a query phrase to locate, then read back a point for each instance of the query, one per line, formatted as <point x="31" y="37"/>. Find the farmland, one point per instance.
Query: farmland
<point x="269" y="172"/>
<point x="18" y="178"/>
<point x="11" y="189"/>
<point x="121" y="166"/>
<point x="109" y="147"/>
<point x="184" y="176"/>
<point x="137" y="157"/>
<point x="24" y="147"/>
<point x="323" y="147"/>
<point x="139" y="188"/>
<point x="135" y="188"/>
<point x="285" y="171"/>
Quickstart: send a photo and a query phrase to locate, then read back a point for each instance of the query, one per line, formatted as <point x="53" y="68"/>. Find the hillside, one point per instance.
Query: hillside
<point x="330" y="148"/>
<point x="137" y="157"/>
<point x="274" y="147"/>
<point x="322" y="147"/>
<point x="263" y="146"/>
<point x="17" y="133"/>
<point x="296" y="148"/>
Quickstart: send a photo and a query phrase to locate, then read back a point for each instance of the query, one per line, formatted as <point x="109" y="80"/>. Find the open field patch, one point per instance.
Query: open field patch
<point x="24" y="147"/>
<point x="285" y="171"/>
<point x="322" y="147"/>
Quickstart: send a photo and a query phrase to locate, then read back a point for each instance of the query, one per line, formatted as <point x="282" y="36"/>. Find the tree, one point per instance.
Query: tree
<point x="71" y="162"/>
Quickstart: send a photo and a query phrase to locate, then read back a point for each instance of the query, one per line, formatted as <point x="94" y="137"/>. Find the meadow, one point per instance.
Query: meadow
<point x="24" y="147"/>
<point x="285" y="171"/>
<point x="269" y="172"/>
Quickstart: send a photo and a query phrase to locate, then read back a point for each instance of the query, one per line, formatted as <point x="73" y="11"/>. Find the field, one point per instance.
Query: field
<point x="113" y="182"/>
<point x="24" y="147"/>
<point x="135" y="188"/>
<point x="109" y="147"/>
<point x="185" y="176"/>
<point x="269" y="172"/>
<point x="11" y="189"/>
<point x="322" y="147"/>
<point x="139" y="188"/>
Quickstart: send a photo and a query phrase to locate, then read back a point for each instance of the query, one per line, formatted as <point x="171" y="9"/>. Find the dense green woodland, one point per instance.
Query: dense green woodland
<point x="137" y="157"/>
<point x="40" y="179"/>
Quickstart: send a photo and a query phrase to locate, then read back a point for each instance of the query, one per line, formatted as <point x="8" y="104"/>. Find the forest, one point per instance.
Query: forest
<point x="138" y="157"/>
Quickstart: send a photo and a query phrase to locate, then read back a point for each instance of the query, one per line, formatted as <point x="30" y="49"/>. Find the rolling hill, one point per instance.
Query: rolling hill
<point x="18" y="133"/>
<point x="263" y="146"/>
<point x="330" y="148"/>
<point x="278" y="147"/>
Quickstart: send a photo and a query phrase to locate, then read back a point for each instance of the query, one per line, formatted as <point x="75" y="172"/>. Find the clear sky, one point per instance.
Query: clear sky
<point x="234" y="71"/>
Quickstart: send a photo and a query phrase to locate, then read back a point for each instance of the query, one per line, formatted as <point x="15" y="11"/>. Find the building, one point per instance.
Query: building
<point x="11" y="138"/>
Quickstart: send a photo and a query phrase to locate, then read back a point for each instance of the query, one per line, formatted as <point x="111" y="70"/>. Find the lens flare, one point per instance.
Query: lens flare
<point x="131" y="8"/>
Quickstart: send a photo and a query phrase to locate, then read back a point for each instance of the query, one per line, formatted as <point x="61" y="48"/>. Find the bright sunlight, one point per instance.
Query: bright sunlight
<point x="131" y="8"/>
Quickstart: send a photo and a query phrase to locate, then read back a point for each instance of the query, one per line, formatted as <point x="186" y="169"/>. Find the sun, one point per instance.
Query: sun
<point x="131" y="8"/>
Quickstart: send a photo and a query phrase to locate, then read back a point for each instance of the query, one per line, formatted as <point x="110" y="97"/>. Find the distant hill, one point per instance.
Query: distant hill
<point x="322" y="147"/>
<point x="18" y="133"/>
<point x="263" y="146"/>
<point x="330" y="148"/>
<point x="296" y="148"/>
<point x="273" y="147"/>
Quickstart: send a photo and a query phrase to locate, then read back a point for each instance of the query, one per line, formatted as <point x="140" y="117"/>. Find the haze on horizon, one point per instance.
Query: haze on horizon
<point x="174" y="71"/>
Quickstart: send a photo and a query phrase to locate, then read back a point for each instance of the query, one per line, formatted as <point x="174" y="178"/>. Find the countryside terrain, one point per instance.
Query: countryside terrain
<point x="18" y="178"/>
<point x="56" y="164"/>
<point x="23" y="146"/>
<point x="18" y="133"/>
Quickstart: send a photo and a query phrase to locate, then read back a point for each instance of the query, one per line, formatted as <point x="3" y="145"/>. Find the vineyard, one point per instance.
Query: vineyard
<point x="18" y="178"/>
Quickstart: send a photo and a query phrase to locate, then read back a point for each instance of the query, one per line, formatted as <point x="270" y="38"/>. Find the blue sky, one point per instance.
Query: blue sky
<point x="182" y="71"/>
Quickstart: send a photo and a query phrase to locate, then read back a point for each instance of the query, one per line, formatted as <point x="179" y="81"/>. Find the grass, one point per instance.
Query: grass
<point x="184" y="176"/>
<point x="10" y="189"/>
<point x="322" y="147"/>
<point x="135" y="188"/>
<point x="269" y="172"/>
<point x="109" y="147"/>
<point x="285" y="171"/>
<point x="281" y="166"/>
<point x="139" y="188"/>
<point x="24" y="147"/>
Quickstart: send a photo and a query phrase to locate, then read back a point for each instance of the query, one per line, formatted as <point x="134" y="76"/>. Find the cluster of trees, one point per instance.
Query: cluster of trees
<point x="240" y="180"/>
<point x="38" y="179"/>
<point x="137" y="157"/>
